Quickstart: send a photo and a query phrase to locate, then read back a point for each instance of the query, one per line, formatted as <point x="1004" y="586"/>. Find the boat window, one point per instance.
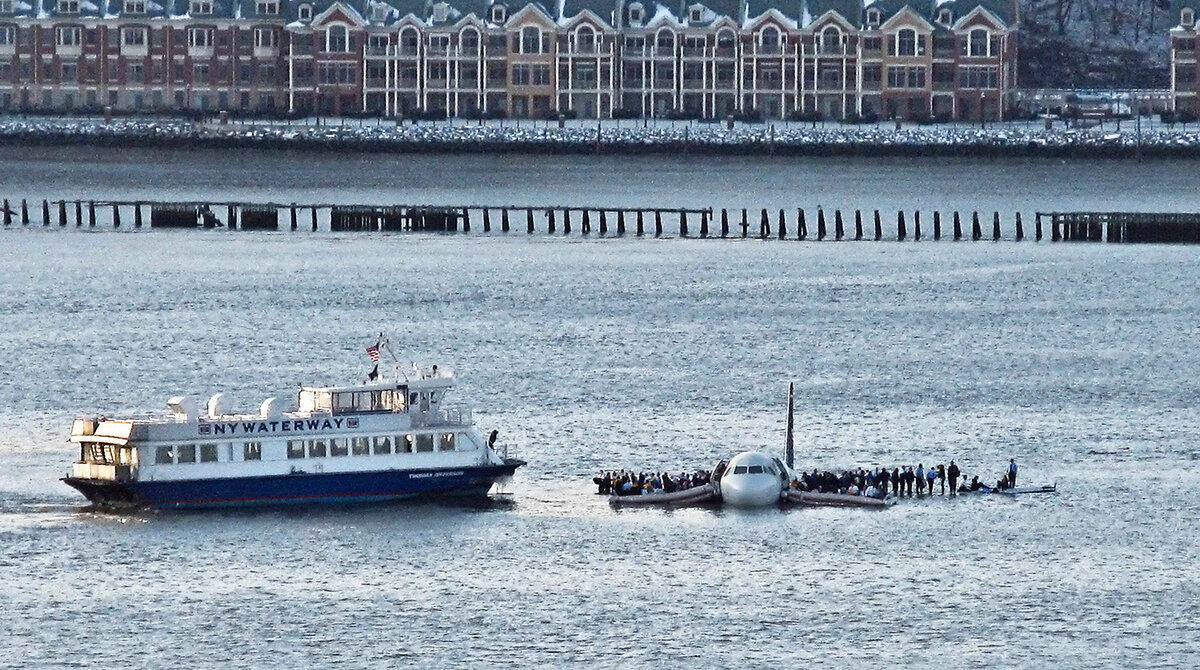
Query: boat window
<point x="404" y="444"/>
<point x="447" y="442"/>
<point x="739" y="470"/>
<point x="187" y="453"/>
<point x="208" y="453"/>
<point x="399" y="400"/>
<point x="338" y="447"/>
<point x="125" y="456"/>
<point x="755" y="469"/>
<point x="316" y="448"/>
<point x="343" y="402"/>
<point x="252" y="451"/>
<point x="295" y="449"/>
<point x="163" y="455"/>
<point x="424" y="402"/>
<point x="362" y="400"/>
<point x="314" y="401"/>
<point x="360" y="446"/>
<point x="424" y="443"/>
<point x="383" y="445"/>
<point x="412" y="398"/>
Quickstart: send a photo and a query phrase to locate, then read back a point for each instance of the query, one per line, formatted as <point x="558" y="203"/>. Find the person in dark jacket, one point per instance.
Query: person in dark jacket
<point x="941" y="475"/>
<point x="953" y="472"/>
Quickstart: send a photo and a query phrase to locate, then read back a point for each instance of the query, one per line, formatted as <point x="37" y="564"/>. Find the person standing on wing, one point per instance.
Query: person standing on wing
<point x="953" y="472"/>
<point x="1012" y="473"/>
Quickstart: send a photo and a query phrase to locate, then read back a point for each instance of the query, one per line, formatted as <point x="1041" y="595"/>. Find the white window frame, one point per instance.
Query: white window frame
<point x="637" y="13"/>
<point x="836" y="47"/>
<point x="945" y="16"/>
<point x="874" y="16"/>
<point x="200" y="7"/>
<point x="68" y="36"/>
<point x="267" y="7"/>
<point x="305" y="12"/>
<point x="67" y="6"/>
<point x="134" y="7"/>
<point x="345" y="31"/>
<point x="540" y="39"/>
<point x="266" y="38"/>
<point x="137" y="33"/>
<point x="987" y="43"/>
<point x="200" y="38"/>
<point x="499" y="13"/>
<point x="8" y="35"/>
<point x="1187" y="17"/>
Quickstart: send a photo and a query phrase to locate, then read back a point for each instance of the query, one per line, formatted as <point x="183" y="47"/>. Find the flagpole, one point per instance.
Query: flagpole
<point x="790" y="455"/>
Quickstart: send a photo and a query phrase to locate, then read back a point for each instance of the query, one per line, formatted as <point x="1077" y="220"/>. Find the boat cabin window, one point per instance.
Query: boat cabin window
<point x="252" y="451"/>
<point x="424" y="443"/>
<point x="360" y="446"/>
<point x="316" y="448"/>
<point x="295" y="449"/>
<point x="208" y="453"/>
<point x="447" y="442"/>
<point x="315" y="401"/>
<point x="187" y="453"/>
<point x="383" y="445"/>
<point x="404" y="444"/>
<point x="385" y="400"/>
<point x="338" y="447"/>
<point x="164" y="455"/>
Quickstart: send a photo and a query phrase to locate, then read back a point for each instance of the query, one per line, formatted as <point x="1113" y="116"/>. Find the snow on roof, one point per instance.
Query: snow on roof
<point x="806" y="17"/>
<point x="22" y="6"/>
<point x="660" y="11"/>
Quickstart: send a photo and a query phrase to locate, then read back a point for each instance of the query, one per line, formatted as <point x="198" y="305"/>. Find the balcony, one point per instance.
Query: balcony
<point x="266" y="52"/>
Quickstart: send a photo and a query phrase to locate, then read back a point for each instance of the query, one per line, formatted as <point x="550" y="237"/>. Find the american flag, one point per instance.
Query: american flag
<point x="373" y="352"/>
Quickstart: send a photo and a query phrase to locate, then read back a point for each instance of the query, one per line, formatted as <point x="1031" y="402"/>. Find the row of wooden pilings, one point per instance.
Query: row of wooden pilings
<point x="770" y="224"/>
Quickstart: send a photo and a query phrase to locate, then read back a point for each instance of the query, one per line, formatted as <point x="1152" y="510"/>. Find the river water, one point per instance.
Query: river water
<point x="1076" y="360"/>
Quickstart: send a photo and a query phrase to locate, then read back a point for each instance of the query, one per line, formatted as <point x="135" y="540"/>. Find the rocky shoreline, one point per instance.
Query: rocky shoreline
<point x="997" y="140"/>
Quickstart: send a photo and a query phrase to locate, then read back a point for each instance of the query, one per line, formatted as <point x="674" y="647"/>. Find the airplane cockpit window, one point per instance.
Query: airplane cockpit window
<point x="756" y="469"/>
<point x="739" y="470"/>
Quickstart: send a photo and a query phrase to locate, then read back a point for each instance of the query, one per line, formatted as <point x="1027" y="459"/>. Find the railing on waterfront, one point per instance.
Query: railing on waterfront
<point x="783" y="224"/>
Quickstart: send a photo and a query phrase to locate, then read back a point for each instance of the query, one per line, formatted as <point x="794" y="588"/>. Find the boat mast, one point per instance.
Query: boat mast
<point x="790" y="456"/>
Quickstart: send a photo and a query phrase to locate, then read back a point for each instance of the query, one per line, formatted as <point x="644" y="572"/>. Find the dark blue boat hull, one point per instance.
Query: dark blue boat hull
<point x="299" y="488"/>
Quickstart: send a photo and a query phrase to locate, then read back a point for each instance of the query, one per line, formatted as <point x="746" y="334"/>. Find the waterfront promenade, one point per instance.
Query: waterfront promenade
<point x="1124" y="139"/>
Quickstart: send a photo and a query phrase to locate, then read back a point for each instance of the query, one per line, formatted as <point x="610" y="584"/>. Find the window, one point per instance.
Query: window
<point x="208" y="453"/>
<point x="725" y="43"/>
<point x="1187" y="16"/>
<point x="404" y="444"/>
<point x="976" y="44"/>
<point x="383" y="445"/>
<point x="316" y="448"/>
<point x="68" y="6"/>
<point x="831" y="41"/>
<point x="163" y="455"/>
<point x="265" y="37"/>
<point x="424" y="443"/>
<point x="337" y="40"/>
<point x="267" y="7"/>
<point x="252" y="451"/>
<point x="531" y="40"/>
<point x="906" y="77"/>
<point x="872" y="45"/>
<point x="945" y="16"/>
<point x="664" y="40"/>
<point x="409" y="41"/>
<point x="6" y="6"/>
<point x="441" y="11"/>
<point x="8" y="36"/>
<point x="295" y="449"/>
<point x="135" y="6"/>
<point x="69" y="36"/>
<point x="695" y="13"/>
<point x="498" y="13"/>
<point x="585" y="40"/>
<point x="187" y="453"/>
<point x="201" y="7"/>
<point x="305" y="12"/>
<point x="338" y="447"/>
<point x="200" y="37"/>
<point x="133" y="37"/>
<point x="360" y="446"/>
<point x="873" y="16"/>
<point x="446" y="443"/>
<point x="636" y="13"/>
<point x="978" y="76"/>
<point x="906" y="42"/>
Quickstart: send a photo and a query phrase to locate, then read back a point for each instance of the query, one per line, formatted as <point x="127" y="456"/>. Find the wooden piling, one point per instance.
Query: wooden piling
<point x="1055" y="235"/>
<point x="620" y="222"/>
<point x="764" y="225"/>
<point x="658" y="229"/>
<point x="7" y="213"/>
<point x="587" y="223"/>
<point x="782" y="226"/>
<point x="641" y="230"/>
<point x="745" y="224"/>
<point x="976" y="232"/>
<point x="116" y="215"/>
<point x="801" y="224"/>
<point x="1020" y="229"/>
<point x="603" y="223"/>
<point x="937" y="226"/>
<point x="529" y="221"/>
<point x="566" y="222"/>
<point x="24" y="212"/>
<point x="231" y="222"/>
<point x="91" y="213"/>
<point x="550" y="221"/>
<point x="703" y="225"/>
<point x="995" y="226"/>
<point x="137" y="214"/>
<point x="839" y="230"/>
<point x="1037" y="226"/>
<point x="957" y="227"/>
<point x="901" y="230"/>
<point x="504" y="220"/>
<point x="62" y="213"/>
<point x="683" y="227"/>
<point x="724" y="223"/>
<point x="313" y="212"/>
<point x="78" y="213"/>
<point x="466" y="218"/>
<point x="820" y="224"/>
<point x="45" y="212"/>
<point x="858" y="235"/>
<point x="917" y="226"/>
<point x="294" y="220"/>
<point x="878" y="227"/>
<point x="487" y="220"/>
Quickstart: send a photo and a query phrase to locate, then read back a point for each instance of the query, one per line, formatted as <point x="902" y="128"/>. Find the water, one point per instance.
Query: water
<point x="1077" y="360"/>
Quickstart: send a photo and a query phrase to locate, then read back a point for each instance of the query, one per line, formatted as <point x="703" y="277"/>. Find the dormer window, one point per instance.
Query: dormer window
<point x="1187" y="17"/>
<point x="636" y="13"/>
<point x="68" y="6"/>
<point x="201" y="7"/>
<point x="695" y="13"/>
<point x="945" y="16"/>
<point x="499" y="14"/>
<point x="267" y="7"/>
<point x="873" y="17"/>
<point x="440" y="11"/>
<point x="135" y="7"/>
<point x="305" y="12"/>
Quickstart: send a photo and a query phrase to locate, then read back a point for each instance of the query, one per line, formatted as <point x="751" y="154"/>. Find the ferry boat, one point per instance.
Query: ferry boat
<point x="370" y="442"/>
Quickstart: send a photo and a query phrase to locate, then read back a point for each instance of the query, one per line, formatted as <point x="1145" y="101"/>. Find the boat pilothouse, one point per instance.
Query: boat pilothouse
<point x="376" y="441"/>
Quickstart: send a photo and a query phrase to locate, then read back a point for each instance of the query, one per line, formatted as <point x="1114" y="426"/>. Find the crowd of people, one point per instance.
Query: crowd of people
<point x="622" y="483"/>
<point x="899" y="481"/>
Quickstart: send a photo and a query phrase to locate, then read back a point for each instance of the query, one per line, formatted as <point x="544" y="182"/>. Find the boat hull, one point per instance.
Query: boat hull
<point x="295" y="489"/>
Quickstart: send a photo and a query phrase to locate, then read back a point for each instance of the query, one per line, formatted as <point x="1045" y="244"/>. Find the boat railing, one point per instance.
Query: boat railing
<point x="445" y="416"/>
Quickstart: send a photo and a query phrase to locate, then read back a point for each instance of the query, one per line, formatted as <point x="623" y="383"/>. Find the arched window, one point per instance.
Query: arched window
<point x="977" y="44"/>
<point x="726" y="42"/>
<point x="768" y="39"/>
<point x="468" y="41"/>
<point x="337" y="39"/>
<point x="664" y="40"/>
<point x="585" y="40"/>
<point x="906" y="42"/>
<point x="410" y="41"/>
<point x="831" y="40"/>
<point x="531" y="40"/>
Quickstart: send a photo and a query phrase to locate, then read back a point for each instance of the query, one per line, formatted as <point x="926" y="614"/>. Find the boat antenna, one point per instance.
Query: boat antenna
<point x="789" y="450"/>
<point x="386" y="345"/>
